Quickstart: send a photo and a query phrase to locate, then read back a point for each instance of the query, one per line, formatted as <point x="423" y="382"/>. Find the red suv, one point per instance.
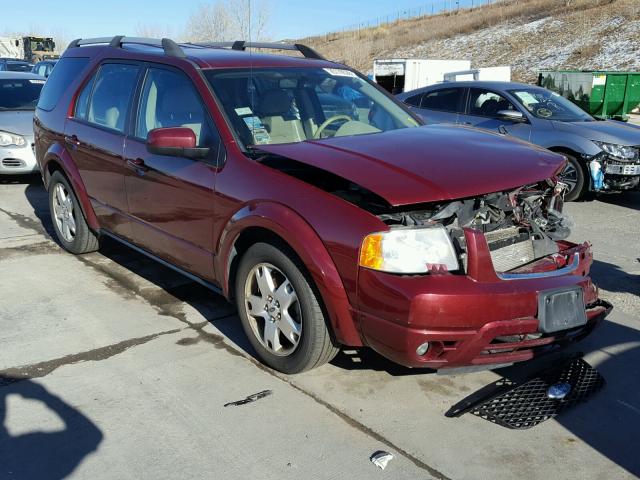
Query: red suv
<point x="315" y="201"/>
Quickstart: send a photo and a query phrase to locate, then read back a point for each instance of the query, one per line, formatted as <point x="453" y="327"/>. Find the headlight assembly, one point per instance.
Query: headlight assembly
<point x="620" y="152"/>
<point x="409" y="250"/>
<point x="8" y="139"/>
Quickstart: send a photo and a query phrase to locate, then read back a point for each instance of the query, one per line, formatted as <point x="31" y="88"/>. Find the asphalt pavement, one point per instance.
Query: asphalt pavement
<point x="112" y="367"/>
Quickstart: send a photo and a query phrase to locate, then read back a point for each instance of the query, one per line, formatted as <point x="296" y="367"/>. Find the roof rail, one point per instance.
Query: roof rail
<point x="169" y="47"/>
<point x="242" y="45"/>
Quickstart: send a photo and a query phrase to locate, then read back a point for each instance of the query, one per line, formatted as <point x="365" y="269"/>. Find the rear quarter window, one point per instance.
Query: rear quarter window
<point x="67" y="69"/>
<point x="415" y="100"/>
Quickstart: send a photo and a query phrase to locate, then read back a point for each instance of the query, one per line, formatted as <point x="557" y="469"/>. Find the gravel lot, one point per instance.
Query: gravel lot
<point x="114" y="367"/>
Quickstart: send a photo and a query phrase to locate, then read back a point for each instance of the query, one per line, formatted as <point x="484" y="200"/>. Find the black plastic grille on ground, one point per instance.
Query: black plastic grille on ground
<point x="528" y="404"/>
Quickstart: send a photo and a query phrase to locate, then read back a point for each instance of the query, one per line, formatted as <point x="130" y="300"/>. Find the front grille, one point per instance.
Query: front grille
<point x="528" y="404"/>
<point x="13" y="163"/>
<point x="510" y="248"/>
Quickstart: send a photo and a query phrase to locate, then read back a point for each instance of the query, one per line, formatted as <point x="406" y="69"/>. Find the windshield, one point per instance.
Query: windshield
<point x="289" y="105"/>
<point x="549" y="105"/>
<point x="19" y="94"/>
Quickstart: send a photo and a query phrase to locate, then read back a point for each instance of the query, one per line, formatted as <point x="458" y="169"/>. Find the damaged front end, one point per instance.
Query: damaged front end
<point x="613" y="174"/>
<point x="519" y="226"/>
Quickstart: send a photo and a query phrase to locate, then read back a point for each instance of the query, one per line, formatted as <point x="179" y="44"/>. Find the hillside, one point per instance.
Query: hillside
<point x="527" y="34"/>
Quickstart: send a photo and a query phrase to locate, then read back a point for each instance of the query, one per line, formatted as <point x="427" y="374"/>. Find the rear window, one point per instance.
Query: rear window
<point x="445" y="100"/>
<point x="19" y="93"/>
<point x="66" y="71"/>
<point x="18" y="67"/>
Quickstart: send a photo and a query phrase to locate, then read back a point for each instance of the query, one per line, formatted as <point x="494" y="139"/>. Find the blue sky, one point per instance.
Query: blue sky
<point x="289" y="19"/>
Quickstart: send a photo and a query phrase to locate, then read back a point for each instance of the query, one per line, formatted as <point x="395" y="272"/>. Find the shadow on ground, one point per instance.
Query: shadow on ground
<point x="624" y="199"/>
<point x="30" y="179"/>
<point x="609" y="422"/>
<point x="613" y="279"/>
<point x="45" y="455"/>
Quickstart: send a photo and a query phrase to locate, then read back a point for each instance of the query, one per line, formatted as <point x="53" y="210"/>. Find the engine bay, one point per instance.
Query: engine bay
<point x="520" y="226"/>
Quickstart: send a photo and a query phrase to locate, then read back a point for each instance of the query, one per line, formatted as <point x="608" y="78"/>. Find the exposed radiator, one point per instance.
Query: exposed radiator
<point x="510" y="248"/>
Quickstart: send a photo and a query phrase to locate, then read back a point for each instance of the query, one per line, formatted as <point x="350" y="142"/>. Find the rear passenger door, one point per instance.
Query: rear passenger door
<point x="94" y="137"/>
<point x="171" y="199"/>
<point x="443" y="105"/>
<point x="482" y="112"/>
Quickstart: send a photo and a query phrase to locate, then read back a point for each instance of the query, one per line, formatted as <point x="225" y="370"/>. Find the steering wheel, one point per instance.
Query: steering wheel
<point x="328" y="122"/>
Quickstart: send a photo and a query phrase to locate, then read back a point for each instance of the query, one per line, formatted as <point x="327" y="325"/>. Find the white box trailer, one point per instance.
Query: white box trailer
<point x="11" y="48"/>
<point x="491" y="74"/>
<point x="404" y="74"/>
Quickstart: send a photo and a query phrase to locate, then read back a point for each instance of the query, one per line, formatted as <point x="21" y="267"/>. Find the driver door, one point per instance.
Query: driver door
<point x="482" y="112"/>
<point x="171" y="198"/>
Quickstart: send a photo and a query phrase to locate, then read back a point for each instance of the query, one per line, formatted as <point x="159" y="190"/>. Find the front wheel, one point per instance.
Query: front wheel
<point x="68" y="220"/>
<point x="280" y="312"/>
<point x="575" y="177"/>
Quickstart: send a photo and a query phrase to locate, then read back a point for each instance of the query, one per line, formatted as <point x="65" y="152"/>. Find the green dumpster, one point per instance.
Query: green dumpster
<point x="600" y="93"/>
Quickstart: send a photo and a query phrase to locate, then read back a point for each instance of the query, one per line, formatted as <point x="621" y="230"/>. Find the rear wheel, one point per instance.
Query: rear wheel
<point x="280" y="311"/>
<point x="574" y="176"/>
<point x="68" y="221"/>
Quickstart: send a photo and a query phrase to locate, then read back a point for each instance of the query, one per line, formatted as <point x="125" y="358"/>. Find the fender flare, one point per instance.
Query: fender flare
<point x="306" y="243"/>
<point x="60" y="155"/>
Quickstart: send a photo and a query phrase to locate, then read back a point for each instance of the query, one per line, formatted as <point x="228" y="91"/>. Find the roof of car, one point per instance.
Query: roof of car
<point x="20" y="75"/>
<point x="203" y="56"/>
<point x="225" y="58"/>
<point x="13" y="60"/>
<point x="492" y="85"/>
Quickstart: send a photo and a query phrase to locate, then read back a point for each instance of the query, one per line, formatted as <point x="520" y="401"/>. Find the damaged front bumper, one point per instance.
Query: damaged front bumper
<point x="609" y="174"/>
<point x="479" y="319"/>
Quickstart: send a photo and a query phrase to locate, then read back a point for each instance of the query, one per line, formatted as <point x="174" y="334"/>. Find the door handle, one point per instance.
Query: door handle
<point x="502" y="130"/>
<point x="466" y="123"/>
<point x="138" y="165"/>
<point x="72" y="140"/>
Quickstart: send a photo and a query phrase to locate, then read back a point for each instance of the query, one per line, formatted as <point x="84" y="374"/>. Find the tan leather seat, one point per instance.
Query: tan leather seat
<point x="279" y="118"/>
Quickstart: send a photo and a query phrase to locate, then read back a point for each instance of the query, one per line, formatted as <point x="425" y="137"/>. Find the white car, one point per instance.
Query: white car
<point x="19" y="94"/>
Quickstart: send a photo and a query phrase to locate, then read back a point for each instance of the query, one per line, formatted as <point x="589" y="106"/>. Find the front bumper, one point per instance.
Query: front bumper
<point x="616" y="175"/>
<point x="18" y="160"/>
<point x="475" y="319"/>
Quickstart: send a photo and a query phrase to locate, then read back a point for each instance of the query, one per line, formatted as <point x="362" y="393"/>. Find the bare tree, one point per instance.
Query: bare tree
<point x="226" y="20"/>
<point x="61" y="39"/>
<point x="153" y="30"/>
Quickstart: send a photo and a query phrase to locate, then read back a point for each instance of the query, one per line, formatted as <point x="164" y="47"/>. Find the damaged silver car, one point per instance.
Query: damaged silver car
<point x="603" y="154"/>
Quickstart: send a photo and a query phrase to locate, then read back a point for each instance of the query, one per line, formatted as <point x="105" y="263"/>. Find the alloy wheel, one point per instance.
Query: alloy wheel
<point x="64" y="213"/>
<point x="569" y="176"/>
<point x="273" y="309"/>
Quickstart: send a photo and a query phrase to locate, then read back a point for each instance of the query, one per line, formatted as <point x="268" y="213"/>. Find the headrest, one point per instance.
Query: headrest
<point x="274" y="103"/>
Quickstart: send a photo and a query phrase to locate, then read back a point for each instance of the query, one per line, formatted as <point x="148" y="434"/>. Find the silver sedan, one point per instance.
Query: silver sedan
<point x="19" y="94"/>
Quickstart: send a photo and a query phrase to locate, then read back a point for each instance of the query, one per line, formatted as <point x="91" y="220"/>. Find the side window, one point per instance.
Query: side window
<point x="42" y="69"/>
<point x="484" y="103"/>
<point x="82" y="103"/>
<point x="169" y="99"/>
<point x="68" y="70"/>
<point x="414" y="100"/>
<point x="112" y="92"/>
<point x="445" y="100"/>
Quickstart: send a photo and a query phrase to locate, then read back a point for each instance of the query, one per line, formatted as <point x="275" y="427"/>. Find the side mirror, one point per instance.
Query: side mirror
<point x="175" y="142"/>
<point x="512" y="115"/>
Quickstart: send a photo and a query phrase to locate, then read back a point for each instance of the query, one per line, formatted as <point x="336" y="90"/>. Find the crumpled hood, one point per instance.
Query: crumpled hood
<point x="19" y="122"/>
<point x="426" y="164"/>
<point x="609" y="131"/>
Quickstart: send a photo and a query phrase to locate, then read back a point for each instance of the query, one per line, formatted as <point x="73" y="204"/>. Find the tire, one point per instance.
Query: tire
<point x="303" y="347"/>
<point x="69" y="223"/>
<point x="575" y="176"/>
